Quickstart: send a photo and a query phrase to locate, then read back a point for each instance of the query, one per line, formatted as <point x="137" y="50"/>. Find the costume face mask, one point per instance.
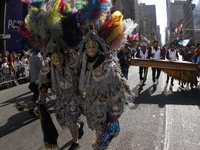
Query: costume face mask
<point x="57" y="59"/>
<point x="92" y="48"/>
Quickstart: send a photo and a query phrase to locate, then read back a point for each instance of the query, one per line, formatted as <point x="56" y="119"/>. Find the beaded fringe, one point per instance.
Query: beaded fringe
<point x="50" y="146"/>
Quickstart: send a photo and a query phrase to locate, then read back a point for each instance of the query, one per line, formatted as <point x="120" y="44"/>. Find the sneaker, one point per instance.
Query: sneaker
<point x="74" y="146"/>
<point x="154" y="83"/>
<point x="80" y="130"/>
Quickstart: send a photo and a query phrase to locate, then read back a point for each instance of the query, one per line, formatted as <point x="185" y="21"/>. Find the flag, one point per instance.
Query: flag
<point x="180" y="27"/>
<point x="134" y="36"/>
<point x="184" y="42"/>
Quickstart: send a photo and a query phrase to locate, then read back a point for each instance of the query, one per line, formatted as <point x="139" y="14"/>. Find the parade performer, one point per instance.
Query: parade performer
<point x="124" y="56"/>
<point x="64" y="84"/>
<point x="45" y="29"/>
<point x="52" y="27"/>
<point x="155" y="54"/>
<point x="104" y="90"/>
<point x="143" y="53"/>
<point x="102" y="84"/>
<point x="171" y="55"/>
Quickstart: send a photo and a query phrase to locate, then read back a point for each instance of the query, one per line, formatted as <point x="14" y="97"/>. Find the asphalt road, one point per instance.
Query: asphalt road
<point x="164" y="118"/>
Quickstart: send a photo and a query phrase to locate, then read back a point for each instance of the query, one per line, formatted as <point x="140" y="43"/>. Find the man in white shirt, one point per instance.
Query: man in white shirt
<point x="143" y="53"/>
<point x="155" y="54"/>
<point x="172" y="55"/>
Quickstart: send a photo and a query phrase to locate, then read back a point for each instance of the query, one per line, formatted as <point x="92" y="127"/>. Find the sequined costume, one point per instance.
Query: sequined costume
<point x="105" y="92"/>
<point x="68" y="100"/>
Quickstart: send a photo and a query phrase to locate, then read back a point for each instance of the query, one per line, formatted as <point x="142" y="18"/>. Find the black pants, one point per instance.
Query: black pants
<point x="141" y="70"/>
<point x="125" y="71"/>
<point x="34" y="88"/>
<point x="155" y="73"/>
<point x="172" y="79"/>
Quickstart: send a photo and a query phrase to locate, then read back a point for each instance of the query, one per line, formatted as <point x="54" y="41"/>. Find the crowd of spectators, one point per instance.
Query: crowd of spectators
<point x="13" y="67"/>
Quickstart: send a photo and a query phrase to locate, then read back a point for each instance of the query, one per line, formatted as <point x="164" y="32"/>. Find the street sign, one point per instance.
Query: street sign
<point x="4" y="36"/>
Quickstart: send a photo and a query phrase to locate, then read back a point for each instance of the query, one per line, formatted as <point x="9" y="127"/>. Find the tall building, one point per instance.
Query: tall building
<point x="188" y="30"/>
<point x="196" y="19"/>
<point x="153" y="31"/>
<point x="151" y="10"/>
<point x="175" y="14"/>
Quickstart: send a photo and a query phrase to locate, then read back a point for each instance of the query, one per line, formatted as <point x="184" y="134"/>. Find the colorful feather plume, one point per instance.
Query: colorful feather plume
<point x="37" y="4"/>
<point x="53" y="20"/>
<point x="62" y="6"/>
<point x="80" y="4"/>
<point x="95" y="10"/>
<point x="22" y="29"/>
<point x="112" y="29"/>
<point x="129" y="26"/>
<point x="72" y="35"/>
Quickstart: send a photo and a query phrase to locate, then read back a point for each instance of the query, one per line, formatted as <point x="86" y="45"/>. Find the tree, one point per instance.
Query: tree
<point x="174" y="42"/>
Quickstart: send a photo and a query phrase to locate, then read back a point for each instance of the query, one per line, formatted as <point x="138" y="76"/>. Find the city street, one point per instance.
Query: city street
<point x="163" y="118"/>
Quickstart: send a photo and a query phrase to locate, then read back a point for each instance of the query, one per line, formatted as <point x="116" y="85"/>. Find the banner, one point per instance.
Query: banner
<point x="15" y="11"/>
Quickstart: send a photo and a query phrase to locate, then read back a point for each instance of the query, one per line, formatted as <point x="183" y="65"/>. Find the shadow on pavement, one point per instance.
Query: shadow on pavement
<point x="169" y="96"/>
<point x="15" y="122"/>
<point x="66" y="145"/>
<point x="19" y="119"/>
<point x="17" y="99"/>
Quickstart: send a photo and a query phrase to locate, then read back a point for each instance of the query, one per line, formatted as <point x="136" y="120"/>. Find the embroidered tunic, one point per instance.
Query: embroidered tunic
<point x="105" y="93"/>
<point x="68" y="100"/>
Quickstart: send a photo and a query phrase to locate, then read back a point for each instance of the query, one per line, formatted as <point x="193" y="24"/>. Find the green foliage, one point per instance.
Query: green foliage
<point x="174" y="42"/>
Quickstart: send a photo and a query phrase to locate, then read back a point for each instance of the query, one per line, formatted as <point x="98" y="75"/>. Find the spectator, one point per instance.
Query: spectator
<point x="6" y="71"/>
<point x="18" y="67"/>
<point x="36" y="64"/>
<point x="155" y="54"/>
<point x="124" y="57"/>
<point x="191" y="55"/>
<point x="197" y="50"/>
<point x="1" y="72"/>
<point x="25" y="65"/>
<point x="133" y="51"/>
<point x="163" y="53"/>
<point x="172" y="55"/>
<point x="183" y="52"/>
<point x="143" y="53"/>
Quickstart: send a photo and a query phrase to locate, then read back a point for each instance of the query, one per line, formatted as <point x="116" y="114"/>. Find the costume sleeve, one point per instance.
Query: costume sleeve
<point x="119" y="91"/>
<point x="40" y="62"/>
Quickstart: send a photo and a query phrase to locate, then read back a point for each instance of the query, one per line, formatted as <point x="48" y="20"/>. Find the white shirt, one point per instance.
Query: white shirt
<point x="157" y="53"/>
<point x="143" y="55"/>
<point x="172" y="55"/>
